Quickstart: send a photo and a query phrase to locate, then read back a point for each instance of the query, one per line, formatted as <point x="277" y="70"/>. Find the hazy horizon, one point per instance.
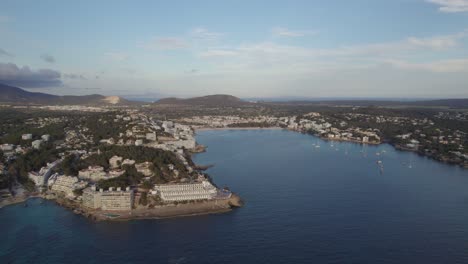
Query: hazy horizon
<point x="249" y="49"/>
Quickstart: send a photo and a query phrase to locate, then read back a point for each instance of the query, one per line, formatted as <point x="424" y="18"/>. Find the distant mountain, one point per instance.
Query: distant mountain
<point x="444" y="103"/>
<point x="216" y="100"/>
<point x="452" y="103"/>
<point x="10" y="94"/>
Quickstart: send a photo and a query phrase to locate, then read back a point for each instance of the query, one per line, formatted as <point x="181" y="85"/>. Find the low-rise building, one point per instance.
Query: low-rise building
<point x="115" y="162"/>
<point x="92" y="173"/>
<point x="151" y="136"/>
<point x="6" y="147"/>
<point x="145" y="168"/>
<point x="40" y="178"/>
<point x="115" y="173"/>
<point x="26" y="136"/>
<point x="128" y="162"/>
<point x="36" y="144"/>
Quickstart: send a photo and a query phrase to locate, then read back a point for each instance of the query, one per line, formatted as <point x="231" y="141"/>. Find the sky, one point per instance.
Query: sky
<point x="263" y="49"/>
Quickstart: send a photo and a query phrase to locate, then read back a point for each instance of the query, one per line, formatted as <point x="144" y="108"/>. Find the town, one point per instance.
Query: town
<point x="136" y="163"/>
<point x="119" y="161"/>
<point x="438" y="135"/>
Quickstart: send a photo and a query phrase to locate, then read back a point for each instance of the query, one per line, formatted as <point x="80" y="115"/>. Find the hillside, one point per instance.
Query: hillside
<point x="15" y="95"/>
<point x="209" y="100"/>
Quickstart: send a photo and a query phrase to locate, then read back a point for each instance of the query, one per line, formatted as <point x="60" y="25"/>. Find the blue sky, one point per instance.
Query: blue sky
<point x="354" y="48"/>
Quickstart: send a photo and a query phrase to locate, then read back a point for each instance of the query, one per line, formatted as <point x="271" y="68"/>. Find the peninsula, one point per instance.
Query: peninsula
<point x="105" y="162"/>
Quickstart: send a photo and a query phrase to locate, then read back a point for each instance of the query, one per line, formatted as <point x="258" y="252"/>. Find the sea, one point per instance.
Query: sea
<point x="306" y="201"/>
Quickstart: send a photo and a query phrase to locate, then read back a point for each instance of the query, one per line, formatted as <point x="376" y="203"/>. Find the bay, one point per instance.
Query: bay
<point x="303" y="204"/>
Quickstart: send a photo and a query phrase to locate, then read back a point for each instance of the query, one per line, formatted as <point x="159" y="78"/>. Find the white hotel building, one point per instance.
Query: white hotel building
<point x="186" y="192"/>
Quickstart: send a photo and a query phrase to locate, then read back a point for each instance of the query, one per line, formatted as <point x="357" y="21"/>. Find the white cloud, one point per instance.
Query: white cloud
<point x="204" y="34"/>
<point x="278" y="58"/>
<point x="451" y="6"/>
<point x="198" y="36"/>
<point x="284" y="32"/>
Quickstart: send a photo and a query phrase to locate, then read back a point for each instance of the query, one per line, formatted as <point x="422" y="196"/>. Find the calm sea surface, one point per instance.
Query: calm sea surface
<point x="304" y="204"/>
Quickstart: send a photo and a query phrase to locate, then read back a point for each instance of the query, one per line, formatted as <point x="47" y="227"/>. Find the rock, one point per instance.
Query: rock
<point x="235" y="201"/>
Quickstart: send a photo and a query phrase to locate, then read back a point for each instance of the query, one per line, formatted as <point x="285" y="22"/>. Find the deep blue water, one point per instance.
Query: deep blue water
<point x="303" y="205"/>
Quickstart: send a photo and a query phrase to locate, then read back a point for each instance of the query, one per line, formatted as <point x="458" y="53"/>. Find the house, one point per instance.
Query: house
<point x="92" y="173"/>
<point x="115" y="162"/>
<point x="145" y="168"/>
<point x="151" y="136"/>
<point x="138" y="142"/>
<point x="26" y="136"/>
<point x="36" y="144"/>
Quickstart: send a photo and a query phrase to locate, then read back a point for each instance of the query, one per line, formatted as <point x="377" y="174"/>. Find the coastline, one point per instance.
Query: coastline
<point x="352" y="141"/>
<point x="12" y="201"/>
<point x="236" y="128"/>
<point x="157" y="212"/>
<point x="395" y="146"/>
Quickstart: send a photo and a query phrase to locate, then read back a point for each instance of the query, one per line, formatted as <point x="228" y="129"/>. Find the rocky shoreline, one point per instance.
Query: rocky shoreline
<point x="13" y="200"/>
<point x="157" y="212"/>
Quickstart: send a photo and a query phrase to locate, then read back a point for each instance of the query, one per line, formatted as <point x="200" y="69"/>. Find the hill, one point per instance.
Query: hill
<point x="217" y="100"/>
<point x="15" y="95"/>
<point x="437" y="103"/>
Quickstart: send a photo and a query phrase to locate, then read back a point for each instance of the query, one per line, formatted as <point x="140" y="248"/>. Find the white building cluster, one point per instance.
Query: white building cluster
<point x="97" y="173"/>
<point x="66" y="184"/>
<point x="41" y="177"/>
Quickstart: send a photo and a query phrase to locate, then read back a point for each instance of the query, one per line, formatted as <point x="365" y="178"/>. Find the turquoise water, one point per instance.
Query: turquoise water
<point x="303" y="205"/>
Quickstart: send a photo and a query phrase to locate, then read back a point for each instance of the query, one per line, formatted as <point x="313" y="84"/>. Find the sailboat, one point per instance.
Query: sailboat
<point x="380" y="165"/>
